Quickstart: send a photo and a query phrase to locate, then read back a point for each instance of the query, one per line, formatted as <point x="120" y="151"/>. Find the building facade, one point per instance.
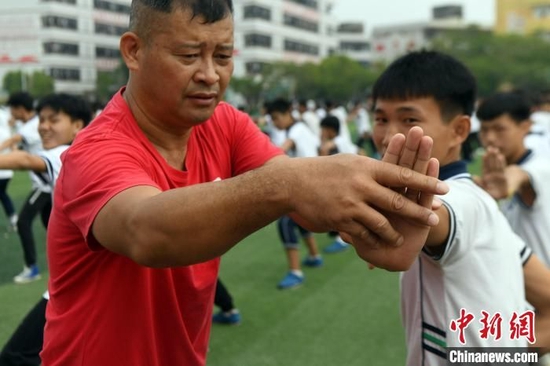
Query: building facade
<point x="523" y="16"/>
<point x="281" y="30"/>
<point x="70" y="40"/>
<point x="353" y="42"/>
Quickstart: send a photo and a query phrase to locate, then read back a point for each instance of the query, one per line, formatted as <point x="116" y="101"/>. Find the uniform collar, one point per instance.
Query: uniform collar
<point x="525" y="157"/>
<point x="453" y="169"/>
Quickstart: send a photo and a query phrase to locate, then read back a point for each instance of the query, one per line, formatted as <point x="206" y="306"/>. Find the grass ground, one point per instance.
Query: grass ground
<point x="343" y="315"/>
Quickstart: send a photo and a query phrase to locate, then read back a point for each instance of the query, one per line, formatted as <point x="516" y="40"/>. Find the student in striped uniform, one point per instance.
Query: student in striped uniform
<point x="513" y="173"/>
<point x="61" y="117"/>
<point x="472" y="259"/>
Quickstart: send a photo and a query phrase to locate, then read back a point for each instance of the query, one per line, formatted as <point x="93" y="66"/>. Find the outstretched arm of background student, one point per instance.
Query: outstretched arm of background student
<point x="8" y="143"/>
<point x="22" y="160"/>
<point x="189" y="225"/>
<point x="537" y="292"/>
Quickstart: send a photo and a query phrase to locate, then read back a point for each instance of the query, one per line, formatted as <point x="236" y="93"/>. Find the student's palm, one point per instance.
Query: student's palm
<point x="493" y="179"/>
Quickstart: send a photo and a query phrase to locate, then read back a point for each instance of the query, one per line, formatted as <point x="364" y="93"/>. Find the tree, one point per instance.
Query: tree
<point x="499" y="60"/>
<point x="108" y="82"/>
<point x="38" y="83"/>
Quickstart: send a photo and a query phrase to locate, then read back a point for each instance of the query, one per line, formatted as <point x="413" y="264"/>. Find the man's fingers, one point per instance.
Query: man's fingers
<point x="372" y="228"/>
<point x="396" y="176"/>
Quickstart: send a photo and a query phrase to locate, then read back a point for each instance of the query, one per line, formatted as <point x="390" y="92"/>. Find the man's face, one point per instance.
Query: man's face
<point x="185" y="68"/>
<point x="398" y="116"/>
<point x="505" y="134"/>
<point x="57" y="128"/>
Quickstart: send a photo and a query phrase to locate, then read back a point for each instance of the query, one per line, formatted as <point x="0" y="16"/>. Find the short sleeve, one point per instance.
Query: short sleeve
<point x="251" y="148"/>
<point x="96" y="171"/>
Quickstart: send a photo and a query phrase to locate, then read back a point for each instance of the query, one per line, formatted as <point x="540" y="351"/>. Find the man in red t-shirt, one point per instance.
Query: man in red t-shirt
<point x="168" y="178"/>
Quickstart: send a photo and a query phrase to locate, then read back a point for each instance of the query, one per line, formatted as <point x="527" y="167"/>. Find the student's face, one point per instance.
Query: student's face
<point x="398" y="116"/>
<point x="281" y="120"/>
<point x="506" y="135"/>
<point x="57" y="128"/>
<point x="18" y="113"/>
<point x="185" y="68"/>
<point x="327" y="134"/>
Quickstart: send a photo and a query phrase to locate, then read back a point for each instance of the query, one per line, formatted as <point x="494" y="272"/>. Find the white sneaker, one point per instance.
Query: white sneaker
<point x="29" y="274"/>
<point x="13" y="222"/>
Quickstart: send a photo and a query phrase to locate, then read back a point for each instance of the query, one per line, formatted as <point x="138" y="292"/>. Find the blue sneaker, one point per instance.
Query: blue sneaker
<point x="336" y="247"/>
<point x="313" y="261"/>
<point x="290" y="281"/>
<point x="29" y="274"/>
<point x="232" y="317"/>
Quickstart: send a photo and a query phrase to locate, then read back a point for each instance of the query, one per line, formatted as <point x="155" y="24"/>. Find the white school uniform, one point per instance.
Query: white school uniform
<point x="306" y="143"/>
<point x="532" y="224"/>
<point x="480" y="270"/>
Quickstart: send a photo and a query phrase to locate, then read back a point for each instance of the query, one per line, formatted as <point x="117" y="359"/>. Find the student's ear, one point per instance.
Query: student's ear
<point x="525" y="126"/>
<point x="77" y="126"/>
<point x="130" y="45"/>
<point x="461" y="128"/>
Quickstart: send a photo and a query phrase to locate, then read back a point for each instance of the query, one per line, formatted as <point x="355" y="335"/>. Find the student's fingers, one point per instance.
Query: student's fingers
<point x="394" y="149"/>
<point x="427" y="200"/>
<point x="412" y="144"/>
<point x="423" y="155"/>
<point x="490" y="160"/>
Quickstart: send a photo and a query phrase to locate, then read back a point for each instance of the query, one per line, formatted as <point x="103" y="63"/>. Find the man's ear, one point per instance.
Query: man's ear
<point x="461" y="127"/>
<point x="130" y="45"/>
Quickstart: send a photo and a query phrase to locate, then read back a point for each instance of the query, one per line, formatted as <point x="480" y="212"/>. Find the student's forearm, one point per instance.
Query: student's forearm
<point x="22" y="160"/>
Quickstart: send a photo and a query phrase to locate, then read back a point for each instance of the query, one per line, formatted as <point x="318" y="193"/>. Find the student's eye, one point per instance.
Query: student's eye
<point x="380" y="120"/>
<point x="189" y="56"/>
<point x="410" y="120"/>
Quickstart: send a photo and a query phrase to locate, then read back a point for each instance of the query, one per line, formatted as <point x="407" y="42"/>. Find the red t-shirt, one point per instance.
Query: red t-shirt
<point x="105" y="309"/>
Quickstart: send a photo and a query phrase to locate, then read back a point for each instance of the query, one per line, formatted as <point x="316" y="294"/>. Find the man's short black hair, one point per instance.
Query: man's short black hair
<point x="280" y="105"/>
<point x="425" y="74"/>
<point x="21" y="99"/>
<point x="515" y="104"/>
<point x="331" y="122"/>
<point x="141" y="12"/>
<point x="75" y="107"/>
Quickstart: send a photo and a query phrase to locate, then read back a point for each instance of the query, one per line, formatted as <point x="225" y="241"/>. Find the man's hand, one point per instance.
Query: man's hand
<point x="375" y="205"/>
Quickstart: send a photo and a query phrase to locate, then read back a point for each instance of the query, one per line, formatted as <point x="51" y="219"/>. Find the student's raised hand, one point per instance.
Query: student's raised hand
<point x="412" y="152"/>
<point x="493" y="178"/>
<point x="376" y="206"/>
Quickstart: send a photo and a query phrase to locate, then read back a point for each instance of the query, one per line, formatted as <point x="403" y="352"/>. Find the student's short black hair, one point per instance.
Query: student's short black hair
<point x="75" y="107"/>
<point x="280" y="105"/>
<point x="141" y="12"/>
<point x="425" y="74"/>
<point x="515" y="104"/>
<point x="331" y="122"/>
<point x="21" y="99"/>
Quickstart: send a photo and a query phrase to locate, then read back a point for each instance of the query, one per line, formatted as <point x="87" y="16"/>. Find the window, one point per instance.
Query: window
<point x="61" y="48"/>
<point x="354" y="46"/>
<point x="72" y="2"/>
<point x="109" y="29"/>
<point x="299" y="47"/>
<point x="541" y="11"/>
<point x="254" y="67"/>
<point x="53" y="21"/>
<point x="309" y="3"/>
<point x="107" y="52"/>
<point x="257" y="40"/>
<point x="65" y="74"/>
<point x="111" y="6"/>
<point x="296" y="22"/>
<point x="254" y="11"/>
